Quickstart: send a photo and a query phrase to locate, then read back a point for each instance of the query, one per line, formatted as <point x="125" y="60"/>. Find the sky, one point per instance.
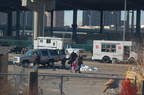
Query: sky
<point x="69" y="17"/>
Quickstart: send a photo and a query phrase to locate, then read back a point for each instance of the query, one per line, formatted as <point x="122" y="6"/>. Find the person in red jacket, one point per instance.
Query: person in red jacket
<point x="128" y="88"/>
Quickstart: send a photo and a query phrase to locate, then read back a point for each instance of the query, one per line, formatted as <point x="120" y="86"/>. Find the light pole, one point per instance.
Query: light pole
<point x="124" y="29"/>
<point x="43" y="14"/>
<point x="89" y="20"/>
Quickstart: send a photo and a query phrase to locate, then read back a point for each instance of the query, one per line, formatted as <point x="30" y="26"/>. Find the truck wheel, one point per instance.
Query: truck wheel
<point x="25" y="63"/>
<point x="51" y="63"/>
<point x="106" y="59"/>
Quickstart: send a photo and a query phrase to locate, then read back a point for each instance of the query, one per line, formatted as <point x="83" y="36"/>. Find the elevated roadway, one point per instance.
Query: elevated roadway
<point x="39" y="6"/>
<point x="14" y="5"/>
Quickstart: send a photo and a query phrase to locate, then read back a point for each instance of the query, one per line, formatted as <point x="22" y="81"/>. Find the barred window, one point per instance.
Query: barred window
<point x="48" y="40"/>
<point x="108" y="47"/>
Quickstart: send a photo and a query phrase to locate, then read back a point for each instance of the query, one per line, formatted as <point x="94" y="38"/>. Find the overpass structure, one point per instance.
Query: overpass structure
<point x="40" y="6"/>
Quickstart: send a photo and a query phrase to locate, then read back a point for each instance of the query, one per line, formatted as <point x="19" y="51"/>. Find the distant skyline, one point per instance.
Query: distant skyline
<point x="68" y="17"/>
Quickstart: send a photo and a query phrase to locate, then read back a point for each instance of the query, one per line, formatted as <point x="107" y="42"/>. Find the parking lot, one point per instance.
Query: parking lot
<point x="89" y="82"/>
<point x="104" y="69"/>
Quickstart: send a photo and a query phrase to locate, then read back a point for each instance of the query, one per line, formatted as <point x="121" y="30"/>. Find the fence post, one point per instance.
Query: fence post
<point x="61" y="85"/>
<point x="33" y="83"/>
<point x="143" y="87"/>
<point x="135" y="81"/>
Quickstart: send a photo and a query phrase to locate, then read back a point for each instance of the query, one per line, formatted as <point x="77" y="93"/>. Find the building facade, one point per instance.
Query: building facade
<point x="92" y="18"/>
<point x="26" y="18"/>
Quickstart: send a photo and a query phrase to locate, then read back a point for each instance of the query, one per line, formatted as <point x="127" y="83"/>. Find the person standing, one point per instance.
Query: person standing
<point x="79" y="62"/>
<point x="23" y="51"/>
<point x="72" y="58"/>
<point x="36" y="60"/>
<point x="63" y="60"/>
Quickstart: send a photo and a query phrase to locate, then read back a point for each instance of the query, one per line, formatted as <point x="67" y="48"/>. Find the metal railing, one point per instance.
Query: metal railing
<point x="59" y="84"/>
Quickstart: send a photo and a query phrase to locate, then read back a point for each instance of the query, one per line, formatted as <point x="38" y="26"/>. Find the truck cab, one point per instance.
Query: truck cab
<point x="69" y="48"/>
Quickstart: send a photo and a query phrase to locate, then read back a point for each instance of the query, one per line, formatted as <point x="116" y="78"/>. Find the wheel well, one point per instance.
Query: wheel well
<point x="106" y="57"/>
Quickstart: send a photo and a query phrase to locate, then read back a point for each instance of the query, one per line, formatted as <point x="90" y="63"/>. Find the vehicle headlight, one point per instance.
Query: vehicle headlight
<point x="17" y="59"/>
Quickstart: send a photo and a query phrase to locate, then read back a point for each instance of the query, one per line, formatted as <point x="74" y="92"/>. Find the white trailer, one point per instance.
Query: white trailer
<point x="107" y="50"/>
<point x="58" y="43"/>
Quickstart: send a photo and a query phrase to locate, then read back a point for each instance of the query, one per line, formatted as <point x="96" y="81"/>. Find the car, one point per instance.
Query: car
<point x="3" y="43"/>
<point x="16" y="49"/>
<point x="48" y="57"/>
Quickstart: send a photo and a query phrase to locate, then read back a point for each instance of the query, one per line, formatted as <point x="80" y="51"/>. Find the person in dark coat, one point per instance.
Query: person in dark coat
<point x="79" y="62"/>
<point x="72" y="58"/>
<point x="36" y="59"/>
<point x="23" y="51"/>
<point x="63" y="61"/>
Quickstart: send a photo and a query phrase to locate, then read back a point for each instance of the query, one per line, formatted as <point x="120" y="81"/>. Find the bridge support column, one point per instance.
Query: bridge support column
<point x="101" y="22"/>
<point x="41" y="23"/>
<point x="38" y="24"/>
<point x="35" y="27"/>
<point x="9" y="28"/>
<point x="51" y="25"/>
<point x="17" y="24"/>
<point x="137" y="35"/>
<point x="74" y="26"/>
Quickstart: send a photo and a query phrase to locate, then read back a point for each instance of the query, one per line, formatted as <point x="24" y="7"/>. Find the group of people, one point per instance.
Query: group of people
<point x="24" y="50"/>
<point x="75" y="61"/>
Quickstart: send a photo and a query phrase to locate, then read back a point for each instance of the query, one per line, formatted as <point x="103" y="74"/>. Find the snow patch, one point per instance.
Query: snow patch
<point x="87" y="68"/>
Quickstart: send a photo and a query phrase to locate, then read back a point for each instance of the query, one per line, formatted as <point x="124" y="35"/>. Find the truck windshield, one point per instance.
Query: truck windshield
<point x="30" y="52"/>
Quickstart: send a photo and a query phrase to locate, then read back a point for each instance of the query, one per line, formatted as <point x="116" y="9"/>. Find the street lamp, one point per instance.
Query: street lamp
<point x="89" y="20"/>
<point x="124" y="29"/>
<point x="43" y="14"/>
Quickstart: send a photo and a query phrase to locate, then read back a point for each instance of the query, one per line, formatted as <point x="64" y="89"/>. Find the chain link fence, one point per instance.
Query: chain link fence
<point x="56" y="84"/>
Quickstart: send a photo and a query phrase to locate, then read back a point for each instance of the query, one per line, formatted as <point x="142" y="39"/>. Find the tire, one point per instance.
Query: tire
<point x="25" y="64"/>
<point x="106" y="59"/>
<point x="51" y="63"/>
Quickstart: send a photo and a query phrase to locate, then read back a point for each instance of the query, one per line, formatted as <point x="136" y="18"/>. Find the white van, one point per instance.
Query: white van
<point x="107" y="50"/>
